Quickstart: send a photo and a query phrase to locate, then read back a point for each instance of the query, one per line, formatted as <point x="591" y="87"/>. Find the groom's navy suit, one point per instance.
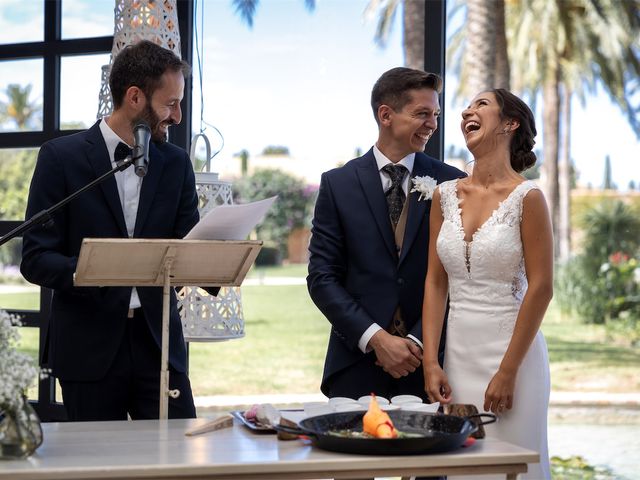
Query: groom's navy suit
<point x="356" y="276"/>
<point x="87" y="325"/>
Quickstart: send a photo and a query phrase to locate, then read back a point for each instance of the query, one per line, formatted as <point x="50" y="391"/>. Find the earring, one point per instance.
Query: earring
<point x="506" y="130"/>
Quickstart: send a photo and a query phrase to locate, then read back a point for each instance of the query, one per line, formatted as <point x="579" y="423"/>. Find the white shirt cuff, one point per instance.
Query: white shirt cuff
<point x="363" y="343"/>
<point x="411" y="337"/>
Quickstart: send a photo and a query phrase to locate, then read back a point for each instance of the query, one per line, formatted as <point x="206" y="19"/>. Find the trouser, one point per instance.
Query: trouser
<point x="131" y="386"/>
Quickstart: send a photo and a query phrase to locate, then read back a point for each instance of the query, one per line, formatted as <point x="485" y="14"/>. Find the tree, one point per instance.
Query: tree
<point x="574" y="44"/>
<point x="292" y="209"/>
<point x="16" y="168"/>
<point x="413" y="17"/>
<point x="477" y="50"/>
<point x="243" y="155"/>
<point x="607" y="182"/>
<point x="19" y="107"/>
<point x="275" y="150"/>
<point x="247" y="9"/>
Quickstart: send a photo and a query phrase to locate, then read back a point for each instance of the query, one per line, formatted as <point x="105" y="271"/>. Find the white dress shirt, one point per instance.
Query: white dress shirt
<point x="128" y="189"/>
<point x="381" y="161"/>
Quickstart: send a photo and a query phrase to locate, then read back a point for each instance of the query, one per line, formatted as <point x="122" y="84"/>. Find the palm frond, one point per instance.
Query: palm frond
<point x="246" y="9"/>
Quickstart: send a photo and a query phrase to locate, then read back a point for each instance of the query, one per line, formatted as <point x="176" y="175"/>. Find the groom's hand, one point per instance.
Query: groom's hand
<point x="396" y="355"/>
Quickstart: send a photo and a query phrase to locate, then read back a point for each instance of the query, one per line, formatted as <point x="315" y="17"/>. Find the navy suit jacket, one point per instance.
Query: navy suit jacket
<point x="87" y="324"/>
<point x="356" y="277"/>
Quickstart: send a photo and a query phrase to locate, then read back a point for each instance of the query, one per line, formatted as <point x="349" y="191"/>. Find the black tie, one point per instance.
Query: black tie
<point x="395" y="194"/>
<point x="122" y="152"/>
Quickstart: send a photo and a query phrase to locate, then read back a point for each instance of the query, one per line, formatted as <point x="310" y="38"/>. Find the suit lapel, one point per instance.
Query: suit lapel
<point x="371" y="185"/>
<point x="98" y="157"/>
<point x="417" y="209"/>
<point x="149" y="186"/>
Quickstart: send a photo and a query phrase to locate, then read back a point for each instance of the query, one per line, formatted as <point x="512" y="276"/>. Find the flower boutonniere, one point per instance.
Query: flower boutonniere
<point x="425" y="186"/>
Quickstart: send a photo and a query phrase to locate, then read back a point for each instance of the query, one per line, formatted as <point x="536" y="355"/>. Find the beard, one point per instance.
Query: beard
<point x="153" y="120"/>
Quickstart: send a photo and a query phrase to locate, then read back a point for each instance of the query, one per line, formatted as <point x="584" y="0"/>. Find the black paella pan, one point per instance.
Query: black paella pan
<point x="428" y="432"/>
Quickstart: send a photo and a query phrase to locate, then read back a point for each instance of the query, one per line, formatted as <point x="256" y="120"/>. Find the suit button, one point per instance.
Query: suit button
<point x="401" y="281"/>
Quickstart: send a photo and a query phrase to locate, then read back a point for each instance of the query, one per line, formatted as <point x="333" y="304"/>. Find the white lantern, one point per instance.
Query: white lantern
<point x="204" y="317"/>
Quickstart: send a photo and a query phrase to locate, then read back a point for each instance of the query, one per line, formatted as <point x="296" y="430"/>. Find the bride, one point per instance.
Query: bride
<point x="491" y="252"/>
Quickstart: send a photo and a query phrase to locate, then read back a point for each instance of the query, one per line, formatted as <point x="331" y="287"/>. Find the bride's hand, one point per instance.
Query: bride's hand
<point x="499" y="394"/>
<point x="437" y="385"/>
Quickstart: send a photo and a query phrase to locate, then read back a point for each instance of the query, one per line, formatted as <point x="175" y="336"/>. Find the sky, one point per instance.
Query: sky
<point x="297" y="78"/>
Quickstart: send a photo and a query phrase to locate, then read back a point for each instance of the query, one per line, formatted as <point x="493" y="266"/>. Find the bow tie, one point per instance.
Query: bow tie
<point x="122" y="152"/>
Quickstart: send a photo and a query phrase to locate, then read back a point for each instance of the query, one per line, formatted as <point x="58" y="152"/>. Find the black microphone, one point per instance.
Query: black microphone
<point x="141" y="137"/>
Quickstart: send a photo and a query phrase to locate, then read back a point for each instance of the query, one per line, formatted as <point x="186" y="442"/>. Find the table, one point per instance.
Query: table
<point x="158" y="449"/>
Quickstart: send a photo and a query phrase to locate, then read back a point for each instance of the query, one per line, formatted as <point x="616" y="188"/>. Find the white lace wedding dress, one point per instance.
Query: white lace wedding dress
<point x="487" y="283"/>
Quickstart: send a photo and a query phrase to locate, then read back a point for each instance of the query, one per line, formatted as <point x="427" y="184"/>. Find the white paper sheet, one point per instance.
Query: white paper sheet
<point x="230" y="222"/>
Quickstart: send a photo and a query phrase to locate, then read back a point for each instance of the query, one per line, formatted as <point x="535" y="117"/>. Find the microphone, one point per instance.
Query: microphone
<point x="141" y="137"/>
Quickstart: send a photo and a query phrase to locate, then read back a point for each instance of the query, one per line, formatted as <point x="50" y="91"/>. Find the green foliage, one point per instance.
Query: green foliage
<point x="609" y="227"/>
<point x="577" y="468"/>
<point x="275" y="150"/>
<point x="20" y="108"/>
<point x="16" y="168"/>
<point x="602" y="284"/>
<point x="292" y="209"/>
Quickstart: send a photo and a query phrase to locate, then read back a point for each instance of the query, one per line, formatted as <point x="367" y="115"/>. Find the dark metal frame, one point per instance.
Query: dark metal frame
<point x="51" y="50"/>
<point x="54" y="47"/>
<point x="435" y="42"/>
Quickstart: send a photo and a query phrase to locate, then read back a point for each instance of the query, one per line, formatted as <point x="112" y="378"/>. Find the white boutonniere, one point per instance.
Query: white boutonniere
<point x="425" y="186"/>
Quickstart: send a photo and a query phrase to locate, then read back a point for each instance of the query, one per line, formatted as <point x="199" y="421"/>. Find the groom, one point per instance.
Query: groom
<point x="368" y="250"/>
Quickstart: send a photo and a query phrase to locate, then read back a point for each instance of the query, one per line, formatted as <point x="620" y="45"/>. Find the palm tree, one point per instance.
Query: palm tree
<point x="477" y="50"/>
<point x="19" y="107"/>
<point x="247" y="9"/>
<point x="571" y="44"/>
<point x="413" y="17"/>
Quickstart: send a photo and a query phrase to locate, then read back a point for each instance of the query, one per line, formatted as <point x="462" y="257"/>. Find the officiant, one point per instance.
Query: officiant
<point x="105" y="343"/>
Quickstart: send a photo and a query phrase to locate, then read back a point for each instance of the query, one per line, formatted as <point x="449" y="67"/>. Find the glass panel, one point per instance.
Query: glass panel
<point x="29" y="344"/>
<point x="80" y="81"/>
<point x="21" y="21"/>
<point x="21" y="95"/>
<point x="16" y="170"/>
<point x="87" y="18"/>
<point x="15" y="292"/>
<point x="327" y="64"/>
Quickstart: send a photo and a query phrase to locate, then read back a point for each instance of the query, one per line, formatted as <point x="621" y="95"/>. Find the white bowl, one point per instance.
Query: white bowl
<point x="349" y="407"/>
<point x="389" y="406"/>
<point x="421" y="407"/>
<point x="366" y="400"/>
<point x="338" y="400"/>
<point x="315" y="410"/>
<point x="400" y="399"/>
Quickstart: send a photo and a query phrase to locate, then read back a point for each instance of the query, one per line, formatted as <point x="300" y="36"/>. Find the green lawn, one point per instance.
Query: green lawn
<point x="286" y="339"/>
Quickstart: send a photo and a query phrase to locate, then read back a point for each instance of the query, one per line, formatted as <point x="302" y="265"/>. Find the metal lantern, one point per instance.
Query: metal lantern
<point x="135" y="20"/>
<point x="204" y="317"/>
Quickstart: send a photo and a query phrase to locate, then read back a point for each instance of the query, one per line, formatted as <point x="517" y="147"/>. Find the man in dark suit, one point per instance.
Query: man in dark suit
<point x="105" y="342"/>
<point x="369" y="244"/>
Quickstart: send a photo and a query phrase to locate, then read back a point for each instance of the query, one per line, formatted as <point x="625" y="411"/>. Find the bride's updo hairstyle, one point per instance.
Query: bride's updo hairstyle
<point x="522" y="139"/>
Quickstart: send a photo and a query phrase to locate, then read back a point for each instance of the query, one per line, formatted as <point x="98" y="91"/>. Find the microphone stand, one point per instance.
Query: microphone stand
<point x="44" y="218"/>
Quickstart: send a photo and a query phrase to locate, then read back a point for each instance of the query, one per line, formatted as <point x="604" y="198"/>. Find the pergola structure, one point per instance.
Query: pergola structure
<point x="53" y="48"/>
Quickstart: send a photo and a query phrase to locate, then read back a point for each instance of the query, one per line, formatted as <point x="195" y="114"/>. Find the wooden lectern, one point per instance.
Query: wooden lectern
<point x="133" y="262"/>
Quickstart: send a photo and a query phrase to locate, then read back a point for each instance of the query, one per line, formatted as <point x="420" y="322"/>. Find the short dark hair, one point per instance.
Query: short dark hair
<point x="392" y="88"/>
<point x="142" y="65"/>
<point x="523" y="140"/>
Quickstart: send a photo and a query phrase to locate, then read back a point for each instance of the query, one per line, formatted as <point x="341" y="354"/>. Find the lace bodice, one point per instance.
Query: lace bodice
<point x="487" y="284"/>
<point x="488" y="270"/>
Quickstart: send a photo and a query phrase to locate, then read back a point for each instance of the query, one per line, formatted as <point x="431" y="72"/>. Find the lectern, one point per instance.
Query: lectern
<point x="133" y="262"/>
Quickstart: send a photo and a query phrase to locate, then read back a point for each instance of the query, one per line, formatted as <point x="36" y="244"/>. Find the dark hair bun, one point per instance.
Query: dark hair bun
<point x="522" y="160"/>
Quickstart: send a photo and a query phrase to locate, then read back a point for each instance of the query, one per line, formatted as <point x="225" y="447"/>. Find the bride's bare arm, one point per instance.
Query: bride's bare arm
<point x="537" y="244"/>
<point x="433" y="310"/>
